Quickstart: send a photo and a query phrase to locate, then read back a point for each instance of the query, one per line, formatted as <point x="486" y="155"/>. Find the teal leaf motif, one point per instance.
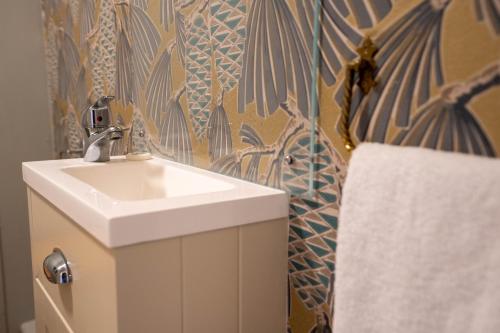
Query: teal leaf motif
<point x="312" y="231"/>
<point x="198" y="74"/>
<point x="228" y="33"/>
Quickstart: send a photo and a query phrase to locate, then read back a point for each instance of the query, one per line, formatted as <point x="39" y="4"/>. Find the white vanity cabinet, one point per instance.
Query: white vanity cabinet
<point x="223" y="281"/>
<point x="155" y="246"/>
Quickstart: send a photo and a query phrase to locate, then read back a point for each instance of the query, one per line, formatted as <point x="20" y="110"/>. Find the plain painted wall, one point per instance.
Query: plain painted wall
<point x="25" y="135"/>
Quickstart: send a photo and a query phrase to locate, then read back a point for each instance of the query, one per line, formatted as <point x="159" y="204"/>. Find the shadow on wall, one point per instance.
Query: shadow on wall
<point x="25" y="135"/>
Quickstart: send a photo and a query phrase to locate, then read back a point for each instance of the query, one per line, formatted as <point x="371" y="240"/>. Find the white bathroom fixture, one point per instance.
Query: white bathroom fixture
<point x="155" y="246"/>
<point x="125" y="202"/>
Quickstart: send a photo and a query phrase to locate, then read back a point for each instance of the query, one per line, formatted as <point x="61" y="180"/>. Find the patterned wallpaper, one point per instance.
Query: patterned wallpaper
<point x="225" y="85"/>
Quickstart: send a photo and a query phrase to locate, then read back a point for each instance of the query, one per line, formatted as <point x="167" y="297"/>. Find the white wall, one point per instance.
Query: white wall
<point x="24" y="135"/>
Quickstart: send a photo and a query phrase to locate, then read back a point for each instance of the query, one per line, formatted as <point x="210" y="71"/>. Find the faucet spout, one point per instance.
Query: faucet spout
<point x="111" y="133"/>
<point x="98" y="144"/>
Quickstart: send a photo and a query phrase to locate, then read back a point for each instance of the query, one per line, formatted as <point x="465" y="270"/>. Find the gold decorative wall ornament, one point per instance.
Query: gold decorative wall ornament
<point x="364" y="67"/>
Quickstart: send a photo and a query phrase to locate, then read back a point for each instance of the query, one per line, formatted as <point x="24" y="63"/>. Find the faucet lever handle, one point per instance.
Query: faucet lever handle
<point x="103" y="101"/>
<point x="99" y="113"/>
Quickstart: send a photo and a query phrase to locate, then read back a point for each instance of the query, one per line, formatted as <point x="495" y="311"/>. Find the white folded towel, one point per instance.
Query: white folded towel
<point x="418" y="243"/>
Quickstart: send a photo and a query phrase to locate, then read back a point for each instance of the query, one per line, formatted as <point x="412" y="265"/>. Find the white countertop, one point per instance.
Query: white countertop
<point x="126" y="202"/>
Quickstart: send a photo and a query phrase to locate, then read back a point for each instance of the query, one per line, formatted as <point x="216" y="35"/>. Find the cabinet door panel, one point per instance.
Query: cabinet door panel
<point x="88" y="304"/>
<point x="48" y="317"/>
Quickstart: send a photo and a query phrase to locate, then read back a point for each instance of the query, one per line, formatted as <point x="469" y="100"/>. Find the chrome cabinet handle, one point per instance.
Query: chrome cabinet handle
<point x="56" y="268"/>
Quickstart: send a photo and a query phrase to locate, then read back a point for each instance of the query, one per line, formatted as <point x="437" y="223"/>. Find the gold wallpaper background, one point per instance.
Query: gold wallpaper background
<point x="225" y="85"/>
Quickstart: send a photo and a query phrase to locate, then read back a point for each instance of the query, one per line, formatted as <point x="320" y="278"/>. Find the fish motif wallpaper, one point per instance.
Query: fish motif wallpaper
<point x="226" y="85"/>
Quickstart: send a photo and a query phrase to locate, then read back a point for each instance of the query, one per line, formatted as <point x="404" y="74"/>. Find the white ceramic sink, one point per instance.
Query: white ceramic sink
<point x="126" y="202"/>
<point x="132" y="180"/>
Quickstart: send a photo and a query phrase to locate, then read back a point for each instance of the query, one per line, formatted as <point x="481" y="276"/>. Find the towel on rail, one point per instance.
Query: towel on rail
<point x="418" y="243"/>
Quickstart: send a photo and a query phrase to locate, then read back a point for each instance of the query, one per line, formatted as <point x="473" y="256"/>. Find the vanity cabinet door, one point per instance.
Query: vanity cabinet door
<point x="48" y="317"/>
<point x="88" y="303"/>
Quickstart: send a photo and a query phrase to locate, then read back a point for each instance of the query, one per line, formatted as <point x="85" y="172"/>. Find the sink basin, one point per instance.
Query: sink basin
<point x="125" y="202"/>
<point x="133" y="180"/>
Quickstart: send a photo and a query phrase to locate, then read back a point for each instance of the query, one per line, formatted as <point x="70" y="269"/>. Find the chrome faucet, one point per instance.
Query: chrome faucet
<point x="98" y="131"/>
